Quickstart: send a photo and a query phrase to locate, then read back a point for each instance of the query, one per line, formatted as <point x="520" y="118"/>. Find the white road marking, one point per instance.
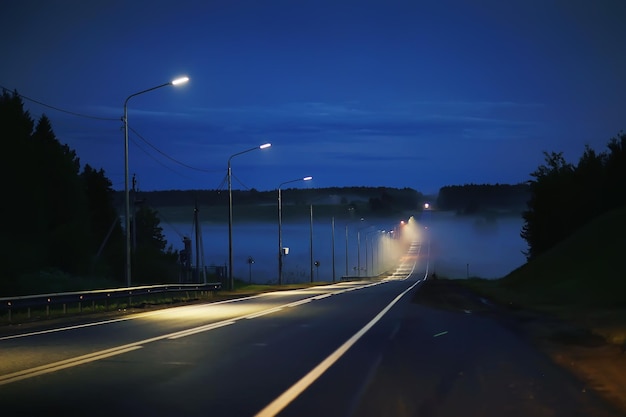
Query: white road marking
<point x="295" y="390"/>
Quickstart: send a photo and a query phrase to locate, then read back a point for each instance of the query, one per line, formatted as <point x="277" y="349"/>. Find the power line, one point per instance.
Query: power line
<point x="86" y="116"/>
<point x="169" y="157"/>
<point x="107" y="119"/>
<point x="5" y="89"/>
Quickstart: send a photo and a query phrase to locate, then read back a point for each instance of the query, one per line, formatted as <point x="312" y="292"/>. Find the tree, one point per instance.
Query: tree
<point x="548" y="217"/>
<point x="18" y="232"/>
<point x="564" y="197"/>
<point x="61" y="201"/>
<point x="53" y="214"/>
<point x="107" y="237"/>
<point x="152" y="262"/>
<point x="616" y="172"/>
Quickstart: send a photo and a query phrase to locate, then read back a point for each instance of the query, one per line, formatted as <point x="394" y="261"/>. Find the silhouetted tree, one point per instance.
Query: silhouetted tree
<point x="54" y="215"/>
<point x="547" y="219"/>
<point x="152" y="262"/>
<point x="616" y="172"/>
<point x="18" y="235"/>
<point x="564" y="197"/>
<point x="61" y="202"/>
<point x="107" y="237"/>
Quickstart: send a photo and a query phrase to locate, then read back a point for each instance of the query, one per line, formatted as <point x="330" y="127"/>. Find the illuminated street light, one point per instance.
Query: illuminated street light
<point x="359" y="220"/>
<point x="358" y="248"/>
<point x="177" y="81"/>
<point x="367" y="256"/>
<point x="280" y="228"/>
<point x="231" y="280"/>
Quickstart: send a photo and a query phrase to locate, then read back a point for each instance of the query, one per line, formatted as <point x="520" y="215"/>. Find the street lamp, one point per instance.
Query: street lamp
<point x="358" y="249"/>
<point x="311" y="241"/>
<point x="367" y="256"/>
<point x="230" y="213"/>
<point x="280" y="228"/>
<point x="359" y="220"/>
<point x="332" y="224"/>
<point x="177" y="81"/>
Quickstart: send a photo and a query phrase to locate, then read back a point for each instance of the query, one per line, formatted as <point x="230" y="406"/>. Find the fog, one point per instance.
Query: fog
<point x="459" y="246"/>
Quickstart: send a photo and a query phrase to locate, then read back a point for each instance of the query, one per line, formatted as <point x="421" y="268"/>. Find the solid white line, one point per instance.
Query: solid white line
<point x="295" y="390"/>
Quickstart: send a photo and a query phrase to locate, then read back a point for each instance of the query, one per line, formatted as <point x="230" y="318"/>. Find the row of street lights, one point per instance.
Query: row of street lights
<point x="177" y="82"/>
<point x="281" y="251"/>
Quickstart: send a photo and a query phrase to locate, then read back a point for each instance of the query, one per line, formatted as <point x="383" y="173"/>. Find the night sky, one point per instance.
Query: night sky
<point x="417" y="94"/>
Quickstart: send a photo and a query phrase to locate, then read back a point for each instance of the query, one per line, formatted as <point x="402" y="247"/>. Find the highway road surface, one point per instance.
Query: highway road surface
<point x="359" y="348"/>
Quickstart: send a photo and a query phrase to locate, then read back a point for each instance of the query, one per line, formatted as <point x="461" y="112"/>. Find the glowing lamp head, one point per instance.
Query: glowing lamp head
<point x="179" y="81"/>
<point x="265" y="146"/>
<point x="307" y="178"/>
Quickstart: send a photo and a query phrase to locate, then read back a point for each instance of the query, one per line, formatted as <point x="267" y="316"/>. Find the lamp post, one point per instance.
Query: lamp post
<point x="358" y="249"/>
<point x="311" y="240"/>
<point x="359" y="220"/>
<point x="332" y="224"/>
<point x="280" y="228"/>
<point x="231" y="280"/>
<point x="367" y="256"/>
<point x="177" y="81"/>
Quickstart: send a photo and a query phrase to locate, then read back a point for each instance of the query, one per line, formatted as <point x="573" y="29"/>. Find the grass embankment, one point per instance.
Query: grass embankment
<point x="583" y="279"/>
<point x="571" y="301"/>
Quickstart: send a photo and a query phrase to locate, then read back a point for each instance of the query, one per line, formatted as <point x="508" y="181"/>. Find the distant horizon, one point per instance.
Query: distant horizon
<point x="328" y="187"/>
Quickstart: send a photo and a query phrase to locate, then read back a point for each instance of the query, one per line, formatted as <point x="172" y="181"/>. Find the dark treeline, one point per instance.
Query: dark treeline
<point x="565" y="197"/>
<point x="471" y="198"/>
<point x="377" y="198"/>
<point x="60" y="220"/>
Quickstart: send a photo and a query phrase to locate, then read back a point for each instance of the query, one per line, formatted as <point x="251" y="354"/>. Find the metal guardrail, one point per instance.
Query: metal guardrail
<point x="79" y="297"/>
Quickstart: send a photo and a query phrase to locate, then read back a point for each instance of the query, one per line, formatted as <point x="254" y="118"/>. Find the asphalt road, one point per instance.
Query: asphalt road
<point x="349" y="349"/>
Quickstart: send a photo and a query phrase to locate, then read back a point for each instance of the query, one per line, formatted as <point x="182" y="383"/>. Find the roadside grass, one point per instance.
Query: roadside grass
<point x="582" y="280"/>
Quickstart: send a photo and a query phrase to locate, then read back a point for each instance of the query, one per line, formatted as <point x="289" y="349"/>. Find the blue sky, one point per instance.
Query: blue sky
<point x="417" y="94"/>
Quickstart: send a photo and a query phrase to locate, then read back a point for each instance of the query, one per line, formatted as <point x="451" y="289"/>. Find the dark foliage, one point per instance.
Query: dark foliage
<point x="56" y="217"/>
<point x="565" y="197"/>
<point x="107" y="239"/>
<point x="471" y="198"/>
<point x="378" y="197"/>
